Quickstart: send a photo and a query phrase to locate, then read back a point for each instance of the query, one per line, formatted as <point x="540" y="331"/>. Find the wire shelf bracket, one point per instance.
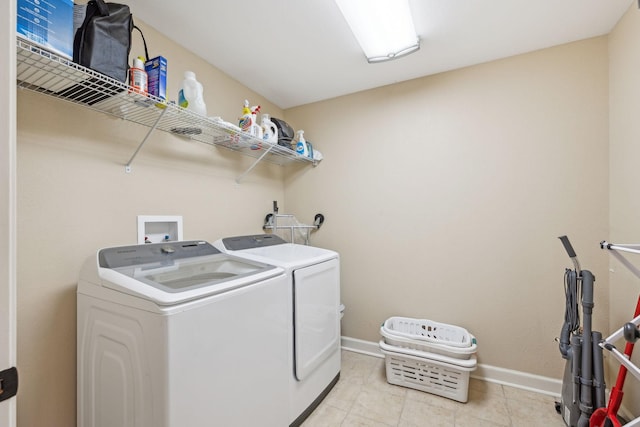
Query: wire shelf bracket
<point x="127" y="167"/>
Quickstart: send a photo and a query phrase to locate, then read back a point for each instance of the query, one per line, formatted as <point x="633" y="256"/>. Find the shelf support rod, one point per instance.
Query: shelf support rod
<point x="127" y="167"/>
<point x="241" y="177"/>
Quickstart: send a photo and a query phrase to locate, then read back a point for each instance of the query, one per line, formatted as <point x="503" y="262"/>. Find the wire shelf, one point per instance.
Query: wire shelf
<point x="42" y="71"/>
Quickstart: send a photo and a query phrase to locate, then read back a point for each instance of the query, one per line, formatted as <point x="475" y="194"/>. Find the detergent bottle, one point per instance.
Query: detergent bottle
<point x="138" y="79"/>
<point x="301" y="144"/>
<point x="190" y="96"/>
<point x="245" y="120"/>
<point x="248" y="123"/>
<point x="256" y="129"/>
<point x="269" y="130"/>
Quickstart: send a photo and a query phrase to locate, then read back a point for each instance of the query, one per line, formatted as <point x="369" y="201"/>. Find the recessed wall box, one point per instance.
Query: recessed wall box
<point x="159" y="228"/>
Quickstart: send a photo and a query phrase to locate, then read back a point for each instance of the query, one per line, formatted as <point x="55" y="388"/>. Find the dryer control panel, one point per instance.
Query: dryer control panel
<point x="249" y="242"/>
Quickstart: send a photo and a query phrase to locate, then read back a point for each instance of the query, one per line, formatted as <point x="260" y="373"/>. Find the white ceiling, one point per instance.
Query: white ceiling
<point x="294" y="52"/>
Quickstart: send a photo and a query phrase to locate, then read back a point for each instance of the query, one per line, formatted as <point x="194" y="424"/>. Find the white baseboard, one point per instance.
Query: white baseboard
<point x="518" y="379"/>
<point x="494" y="374"/>
<point x="360" y="346"/>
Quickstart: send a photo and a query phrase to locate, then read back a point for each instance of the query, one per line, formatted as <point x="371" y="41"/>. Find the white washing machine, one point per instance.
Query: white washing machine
<point x="181" y="335"/>
<point x="314" y="312"/>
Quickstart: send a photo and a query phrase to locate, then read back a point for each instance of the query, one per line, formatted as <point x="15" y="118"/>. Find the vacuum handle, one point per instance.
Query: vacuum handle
<point x="567" y="246"/>
<point x="571" y="252"/>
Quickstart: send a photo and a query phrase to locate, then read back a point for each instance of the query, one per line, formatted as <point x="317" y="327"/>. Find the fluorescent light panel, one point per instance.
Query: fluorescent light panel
<point x="384" y="28"/>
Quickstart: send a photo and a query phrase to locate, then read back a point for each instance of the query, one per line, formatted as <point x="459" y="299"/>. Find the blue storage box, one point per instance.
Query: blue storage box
<point x="156" y="69"/>
<point x="47" y="23"/>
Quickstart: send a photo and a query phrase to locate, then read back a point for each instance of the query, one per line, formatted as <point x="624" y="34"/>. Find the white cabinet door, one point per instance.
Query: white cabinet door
<point x="316" y="293"/>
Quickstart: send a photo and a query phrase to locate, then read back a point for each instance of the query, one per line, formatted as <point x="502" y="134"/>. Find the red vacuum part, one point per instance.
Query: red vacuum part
<point x="610" y="412"/>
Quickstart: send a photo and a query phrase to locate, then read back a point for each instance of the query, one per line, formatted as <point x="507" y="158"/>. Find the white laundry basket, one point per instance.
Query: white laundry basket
<point x="431" y="347"/>
<point x="428" y="356"/>
<point x="428" y="331"/>
<point x="429" y="374"/>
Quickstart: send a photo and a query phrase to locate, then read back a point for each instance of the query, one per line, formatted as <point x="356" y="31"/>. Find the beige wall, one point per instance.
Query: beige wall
<point x="624" y="137"/>
<point x="445" y="196"/>
<point x="75" y="197"/>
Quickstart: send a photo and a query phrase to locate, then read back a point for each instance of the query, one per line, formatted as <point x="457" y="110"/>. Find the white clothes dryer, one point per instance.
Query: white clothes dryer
<point x="314" y="310"/>
<point x="181" y="335"/>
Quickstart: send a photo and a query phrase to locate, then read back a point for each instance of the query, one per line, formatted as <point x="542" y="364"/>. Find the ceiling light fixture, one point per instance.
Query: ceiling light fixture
<point x="384" y="28"/>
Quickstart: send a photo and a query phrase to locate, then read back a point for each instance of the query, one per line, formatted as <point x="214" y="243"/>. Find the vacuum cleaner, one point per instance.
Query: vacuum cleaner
<point x="583" y="386"/>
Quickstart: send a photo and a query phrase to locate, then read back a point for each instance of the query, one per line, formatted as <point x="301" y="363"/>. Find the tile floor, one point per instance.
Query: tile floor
<point x="363" y="397"/>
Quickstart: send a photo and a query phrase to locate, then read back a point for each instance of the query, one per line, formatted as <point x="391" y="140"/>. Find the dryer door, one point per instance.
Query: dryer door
<point x="316" y="295"/>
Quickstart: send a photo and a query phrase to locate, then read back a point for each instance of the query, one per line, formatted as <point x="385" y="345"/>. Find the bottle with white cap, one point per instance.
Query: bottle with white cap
<point x="190" y="96"/>
<point x="138" y="79"/>
<point x="301" y="144"/>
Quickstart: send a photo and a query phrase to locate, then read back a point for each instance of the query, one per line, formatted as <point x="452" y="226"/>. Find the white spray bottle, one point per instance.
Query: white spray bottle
<point x="301" y="144"/>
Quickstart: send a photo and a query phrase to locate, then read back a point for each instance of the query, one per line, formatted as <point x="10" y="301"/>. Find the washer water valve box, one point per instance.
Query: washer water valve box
<point x="48" y="23"/>
<point x="159" y="228"/>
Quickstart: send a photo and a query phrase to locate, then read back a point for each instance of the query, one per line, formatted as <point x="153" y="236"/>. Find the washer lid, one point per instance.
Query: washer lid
<point x="169" y="273"/>
<point x="287" y="255"/>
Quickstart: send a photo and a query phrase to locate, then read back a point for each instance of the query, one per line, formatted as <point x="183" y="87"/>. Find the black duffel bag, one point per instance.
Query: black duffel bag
<point x="103" y="41"/>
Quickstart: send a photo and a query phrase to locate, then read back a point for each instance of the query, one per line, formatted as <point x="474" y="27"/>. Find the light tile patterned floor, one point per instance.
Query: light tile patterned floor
<point x="363" y="398"/>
